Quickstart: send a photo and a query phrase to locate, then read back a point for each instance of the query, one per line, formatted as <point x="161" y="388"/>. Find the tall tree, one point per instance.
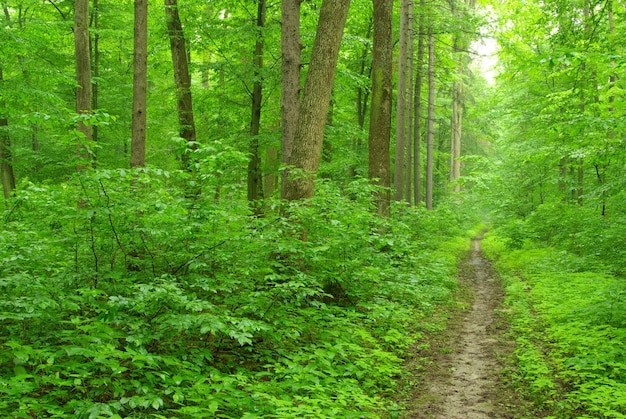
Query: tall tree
<point x="291" y="47"/>
<point x="460" y="44"/>
<point x="182" y="79"/>
<point x="362" y="93"/>
<point x="456" y="121"/>
<point x="83" y="79"/>
<point x="410" y="104"/>
<point x="417" y="109"/>
<point x="379" y="170"/>
<point x="307" y="144"/>
<point x="255" y="178"/>
<point x="140" y="72"/>
<point x="6" y="161"/>
<point x="430" y="134"/>
<point x="96" y="67"/>
<point x="398" y="176"/>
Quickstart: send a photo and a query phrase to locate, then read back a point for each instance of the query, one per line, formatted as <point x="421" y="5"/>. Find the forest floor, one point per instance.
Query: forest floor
<point x="461" y="373"/>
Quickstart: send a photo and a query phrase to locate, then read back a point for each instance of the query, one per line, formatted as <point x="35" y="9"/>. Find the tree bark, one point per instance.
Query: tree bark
<point x="140" y="61"/>
<point x="255" y="176"/>
<point x="379" y="170"/>
<point x="307" y="145"/>
<point x="6" y="162"/>
<point x="430" y="136"/>
<point x="409" y="111"/>
<point x="290" y="99"/>
<point x="417" y="109"/>
<point x="182" y="80"/>
<point x="399" y="162"/>
<point x="456" y="120"/>
<point x="96" y="73"/>
<point x="362" y="94"/>
<point x="83" y="79"/>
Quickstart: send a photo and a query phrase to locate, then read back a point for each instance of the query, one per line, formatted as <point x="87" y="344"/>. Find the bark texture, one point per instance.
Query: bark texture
<point x="430" y="135"/>
<point x="140" y="61"/>
<point x="83" y="78"/>
<point x="398" y="174"/>
<point x="182" y="79"/>
<point x="417" y="110"/>
<point x="307" y="145"/>
<point x="409" y="110"/>
<point x="255" y="176"/>
<point x="290" y="99"/>
<point x="379" y="170"/>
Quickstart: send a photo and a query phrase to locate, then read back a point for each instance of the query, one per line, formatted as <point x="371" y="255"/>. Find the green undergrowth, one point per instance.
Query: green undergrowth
<point x="569" y="324"/>
<point x="121" y="297"/>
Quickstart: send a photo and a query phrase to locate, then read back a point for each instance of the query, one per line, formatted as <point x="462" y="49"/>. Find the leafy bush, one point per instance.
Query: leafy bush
<point x="121" y="297"/>
<point x="570" y="327"/>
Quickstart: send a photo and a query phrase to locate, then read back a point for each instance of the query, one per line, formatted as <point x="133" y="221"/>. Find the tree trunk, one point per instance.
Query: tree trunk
<point x="430" y="136"/>
<point x="6" y="163"/>
<point x="409" y="111"/>
<point x="140" y="61"/>
<point x="83" y="79"/>
<point x="182" y="80"/>
<point x="456" y="120"/>
<point x="290" y="99"/>
<point x="96" y="72"/>
<point x="307" y="145"/>
<point x="362" y="94"/>
<point x="255" y="176"/>
<point x="379" y="170"/>
<point x="398" y="174"/>
<point x="417" y="110"/>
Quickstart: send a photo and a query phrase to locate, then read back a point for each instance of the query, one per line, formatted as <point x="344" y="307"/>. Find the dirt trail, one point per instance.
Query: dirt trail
<point x="464" y="379"/>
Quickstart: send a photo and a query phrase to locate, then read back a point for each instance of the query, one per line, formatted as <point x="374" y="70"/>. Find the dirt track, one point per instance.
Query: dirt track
<point x="464" y="381"/>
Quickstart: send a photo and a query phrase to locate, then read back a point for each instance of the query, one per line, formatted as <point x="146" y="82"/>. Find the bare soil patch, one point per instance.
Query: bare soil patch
<point x="460" y="374"/>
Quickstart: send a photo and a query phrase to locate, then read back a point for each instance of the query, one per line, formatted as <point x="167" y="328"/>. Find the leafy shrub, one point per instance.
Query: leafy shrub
<point x="570" y="327"/>
<point x="121" y="297"/>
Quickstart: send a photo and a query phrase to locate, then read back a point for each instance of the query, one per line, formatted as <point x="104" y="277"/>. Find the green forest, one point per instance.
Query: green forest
<point x="258" y="209"/>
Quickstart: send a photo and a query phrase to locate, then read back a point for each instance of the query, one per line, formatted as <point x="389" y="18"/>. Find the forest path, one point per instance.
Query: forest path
<point x="464" y="379"/>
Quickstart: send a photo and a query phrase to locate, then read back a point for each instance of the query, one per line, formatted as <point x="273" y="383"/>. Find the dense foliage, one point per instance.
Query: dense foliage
<point x="155" y="292"/>
<point x="568" y="321"/>
<point x="137" y="302"/>
<point x="560" y="202"/>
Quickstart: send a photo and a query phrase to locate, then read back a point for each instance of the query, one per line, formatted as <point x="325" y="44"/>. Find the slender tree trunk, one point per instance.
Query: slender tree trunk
<point x="379" y="170"/>
<point x="96" y="72"/>
<point x="140" y="61"/>
<point x="456" y="120"/>
<point x="83" y="79"/>
<point x="182" y="80"/>
<point x="362" y="94"/>
<point x="362" y="98"/>
<point x="255" y="175"/>
<point x="409" y="112"/>
<point x="430" y="138"/>
<point x="290" y="100"/>
<point x="307" y="145"/>
<point x="417" y="109"/>
<point x="6" y="161"/>
<point x="398" y="174"/>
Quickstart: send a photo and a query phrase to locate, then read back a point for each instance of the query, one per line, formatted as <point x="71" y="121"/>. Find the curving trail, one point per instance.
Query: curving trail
<point x="465" y="379"/>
